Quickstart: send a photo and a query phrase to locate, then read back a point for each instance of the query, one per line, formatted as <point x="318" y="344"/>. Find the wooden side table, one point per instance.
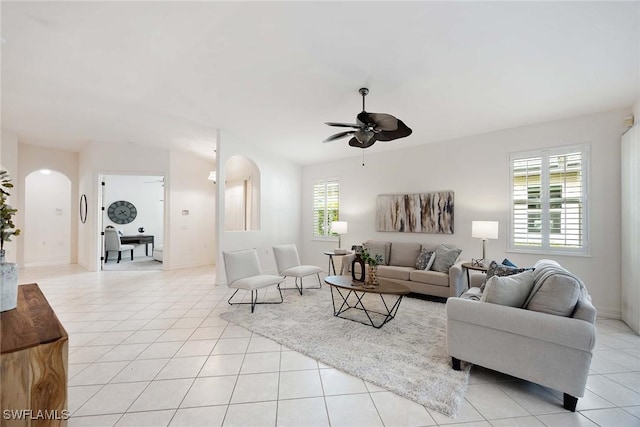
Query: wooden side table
<point x="470" y="266"/>
<point x="33" y="359"/>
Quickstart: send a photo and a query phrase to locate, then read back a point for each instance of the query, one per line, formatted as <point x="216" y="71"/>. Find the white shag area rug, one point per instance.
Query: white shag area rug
<point x="407" y="356"/>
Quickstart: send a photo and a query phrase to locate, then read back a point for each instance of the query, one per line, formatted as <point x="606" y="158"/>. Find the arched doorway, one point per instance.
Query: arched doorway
<point x="47" y="219"/>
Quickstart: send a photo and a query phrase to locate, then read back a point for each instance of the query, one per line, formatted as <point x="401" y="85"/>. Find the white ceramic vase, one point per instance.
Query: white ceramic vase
<point x="8" y="284"/>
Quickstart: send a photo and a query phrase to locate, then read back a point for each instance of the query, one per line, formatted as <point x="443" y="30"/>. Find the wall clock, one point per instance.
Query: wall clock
<point x="122" y="212"/>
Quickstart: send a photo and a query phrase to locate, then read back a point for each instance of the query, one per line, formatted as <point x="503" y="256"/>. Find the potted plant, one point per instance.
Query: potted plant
<point x="8" y="270"/>
<point x="373" y="261"/>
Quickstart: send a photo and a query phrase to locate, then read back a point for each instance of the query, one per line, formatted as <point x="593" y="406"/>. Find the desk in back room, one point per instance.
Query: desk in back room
<point x="140" y="239"/>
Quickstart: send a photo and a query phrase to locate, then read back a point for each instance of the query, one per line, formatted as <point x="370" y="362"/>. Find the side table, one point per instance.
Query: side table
<point x="332" y="266"/>
<point x="470" y="266"/>
<point x="34" y="355"/>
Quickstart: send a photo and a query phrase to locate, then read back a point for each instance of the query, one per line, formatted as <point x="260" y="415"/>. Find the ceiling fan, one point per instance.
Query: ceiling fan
<point x="370" y="127"/>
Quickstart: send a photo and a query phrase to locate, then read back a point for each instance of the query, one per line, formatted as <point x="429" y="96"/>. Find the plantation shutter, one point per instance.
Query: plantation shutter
<point x="549" y="200"/>
<point x="326" y="206"/>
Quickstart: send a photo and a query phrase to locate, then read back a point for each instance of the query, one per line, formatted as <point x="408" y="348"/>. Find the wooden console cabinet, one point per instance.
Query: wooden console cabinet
<point x="33" y="363"/>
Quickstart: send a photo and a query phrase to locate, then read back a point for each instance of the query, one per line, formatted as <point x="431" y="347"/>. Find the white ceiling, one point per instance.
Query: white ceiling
<point x="168" y="74"/>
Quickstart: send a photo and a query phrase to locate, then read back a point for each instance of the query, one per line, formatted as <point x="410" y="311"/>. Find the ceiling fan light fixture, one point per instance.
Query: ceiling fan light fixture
<point x="364" y="135"/>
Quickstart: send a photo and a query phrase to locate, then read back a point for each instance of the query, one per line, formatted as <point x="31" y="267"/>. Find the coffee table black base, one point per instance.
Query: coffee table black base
<point x="345" y="306"/>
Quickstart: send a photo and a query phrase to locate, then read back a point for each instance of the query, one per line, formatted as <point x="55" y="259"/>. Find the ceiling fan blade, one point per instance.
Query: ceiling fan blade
<point x="339" y="135"/>
<point x="344" y="125"/>
<point x="385" y="122"/>
<point x="355" y="143"/>
<point x="402" y="131"/>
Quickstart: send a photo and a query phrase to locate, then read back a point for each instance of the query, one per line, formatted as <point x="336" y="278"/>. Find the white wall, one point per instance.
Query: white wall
<point x="280" y="192"/>
<point x="192" y="213"/>
<point x="146" y="193"/>
<point x="476" y="168"/>
<point x="46" y="235"/>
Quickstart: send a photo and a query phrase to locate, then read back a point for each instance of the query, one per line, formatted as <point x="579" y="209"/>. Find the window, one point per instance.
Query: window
<point x="549" y="200"/>
<point x="326" y="206"/>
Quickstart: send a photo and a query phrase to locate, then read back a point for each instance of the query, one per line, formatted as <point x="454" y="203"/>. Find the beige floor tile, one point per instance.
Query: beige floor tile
<point x="210" y="391"/>
<point x="165" y="394"/>
<point x="255" y="363"/>
<point x="98" y="373"/>
<point x="146" y="419"/>
<point x="112" y="398"/>
<point x="338" y="382"/>
<point x="299" y="384"/>
<point x="205" y="416"/>
<point x="398" y="411"/>
<point x="255" y="388"/>
<point x="310" y="412"/>
<point x="222" y="364"/>
<point x="614" y="417"/>
<point x="353" y="410"/>
<point x="261" y="414"/>
<point x="182" y="367"/>
<point x="140" y="370"/>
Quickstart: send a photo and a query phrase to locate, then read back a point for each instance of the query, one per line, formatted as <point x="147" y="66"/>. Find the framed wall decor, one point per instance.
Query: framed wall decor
<point x="83" y="208"/>
<point x="415" y="213"/>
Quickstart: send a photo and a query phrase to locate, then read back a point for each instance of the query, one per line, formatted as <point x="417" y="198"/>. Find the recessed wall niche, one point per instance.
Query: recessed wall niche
<point x="241" y="195"/>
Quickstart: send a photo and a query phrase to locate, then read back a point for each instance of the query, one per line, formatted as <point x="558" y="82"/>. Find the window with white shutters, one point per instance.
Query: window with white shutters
<point x="549" y="200"/>
<point x="326" y="207"/>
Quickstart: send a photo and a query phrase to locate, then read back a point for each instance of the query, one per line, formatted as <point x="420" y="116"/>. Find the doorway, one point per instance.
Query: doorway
<point x="133" y="205"/>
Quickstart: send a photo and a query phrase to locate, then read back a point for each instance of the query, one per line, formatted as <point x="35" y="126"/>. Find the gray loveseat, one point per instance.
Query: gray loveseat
<point x="528" y="342"/>
<point x="399" y="266"/>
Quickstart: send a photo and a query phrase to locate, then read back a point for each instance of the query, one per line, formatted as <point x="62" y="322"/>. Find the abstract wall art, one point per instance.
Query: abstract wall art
<point x="415" y="213"/>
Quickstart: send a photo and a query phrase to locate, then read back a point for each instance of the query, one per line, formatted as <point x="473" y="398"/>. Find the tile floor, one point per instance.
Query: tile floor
<point x="148" y="349"/>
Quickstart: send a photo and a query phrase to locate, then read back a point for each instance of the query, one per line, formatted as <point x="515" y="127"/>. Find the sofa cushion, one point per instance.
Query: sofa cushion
<point x="501" y="270"/>
<point x="558" y="295"/>
<point x="394" y="272"/>
<point x="429" y="277"/>
<point x="404" y="254"/>
<point x="425" y="259"/>
<point x="380" y="248"/>
<point x="511" y="290"/>
<point x="444" y="258"/>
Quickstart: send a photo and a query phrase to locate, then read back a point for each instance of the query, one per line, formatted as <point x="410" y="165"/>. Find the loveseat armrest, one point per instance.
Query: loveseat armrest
<point x="457" y="282"/>
<point x="566" y="331"/>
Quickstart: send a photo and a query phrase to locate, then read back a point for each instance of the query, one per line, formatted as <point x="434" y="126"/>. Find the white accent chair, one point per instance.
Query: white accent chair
<point x="112" y="244"/>
<point x="243" y="272"/>
<point x="288" y="263"/>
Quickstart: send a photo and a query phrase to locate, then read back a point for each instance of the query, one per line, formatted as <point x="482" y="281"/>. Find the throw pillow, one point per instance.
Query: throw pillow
<point x="445" y="258"/>
<point x="502" y="270"/>
<point x="425" y="259"/>
<point x="508" y="263"/>
<point x="510" y="290"/>
<point x="375" y="249"/>
<point x="557" y="295"/>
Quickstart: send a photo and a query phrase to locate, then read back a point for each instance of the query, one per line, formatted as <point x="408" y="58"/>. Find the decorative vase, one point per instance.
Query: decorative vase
<point x="8" y="284"/>
<point x="357" y="260"/>
<point x="372" y="278"/>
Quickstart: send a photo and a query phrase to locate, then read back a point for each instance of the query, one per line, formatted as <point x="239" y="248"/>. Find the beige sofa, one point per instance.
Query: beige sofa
<point x="400" y="266"/>
<point x="548" y="340"/>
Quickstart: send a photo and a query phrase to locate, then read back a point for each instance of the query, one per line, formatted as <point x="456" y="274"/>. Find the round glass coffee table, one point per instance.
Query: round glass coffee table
<point x="347" y="294"/>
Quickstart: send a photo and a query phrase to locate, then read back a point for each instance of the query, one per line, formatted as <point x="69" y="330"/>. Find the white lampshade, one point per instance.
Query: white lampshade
<point x="339" y="227"/>
<point x="484" y="229"/>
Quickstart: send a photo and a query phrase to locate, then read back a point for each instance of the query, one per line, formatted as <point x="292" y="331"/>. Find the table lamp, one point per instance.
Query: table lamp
<point x="484" y="230"/>
<point x="340" y="228"/>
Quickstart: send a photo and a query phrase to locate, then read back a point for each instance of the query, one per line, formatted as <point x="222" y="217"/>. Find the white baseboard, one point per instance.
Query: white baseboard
<point x="609" y="313"/>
